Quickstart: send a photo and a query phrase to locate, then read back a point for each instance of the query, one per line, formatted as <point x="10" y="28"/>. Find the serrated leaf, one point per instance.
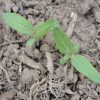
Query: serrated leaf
<point x="42" y="28"/>
<point x="83" y="65"/>
<point x="63" y="43"/>
<point x="64" y="59"/>
<point x="18" y="23"/>
<point x="31" y="41"/>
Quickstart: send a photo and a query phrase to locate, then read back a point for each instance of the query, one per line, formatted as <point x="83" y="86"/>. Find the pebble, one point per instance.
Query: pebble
<point x="0" y="87"/>
<point x="28" y="11"/>
<point x="36" y="12"/>
<point x="98" y="89"/>
<point x="81" y="92"/>
<point x="45" y="48"/>
<point x="75" y="97"/>
<point x="54" y="56"/>
<point x="31" y="19"/>
<point x="26" y="76"/>
<point x="37" y="53"/>
<point x="89" y="98"/>
<point x="98" y="2"/>
<point x="1" y="38"/>
<point x="22" y="96"/>
<point x="28" y="51"/>
<point x="97" y="15"/>
<point x="98" y="44"/>
<point x="8" y="95"/>
<point x="29" y="76"/>
<point x="81" y="86"/>
<point x="42" y="11"/>
<point x="85" y="6"/>
<point x="30" y="3"/>
<point x="0" y="71"/>
<point x="15" y="9"/>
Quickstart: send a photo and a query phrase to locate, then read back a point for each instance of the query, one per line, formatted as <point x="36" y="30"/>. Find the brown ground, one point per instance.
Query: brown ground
<point x="24" y="71"/>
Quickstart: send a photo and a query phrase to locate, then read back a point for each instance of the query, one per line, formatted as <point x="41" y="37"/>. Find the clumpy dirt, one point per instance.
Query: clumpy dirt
<point x="34" y="73"/>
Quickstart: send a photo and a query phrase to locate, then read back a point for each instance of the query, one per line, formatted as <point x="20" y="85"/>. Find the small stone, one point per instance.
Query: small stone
<point x="20" y="86"/>
<point x="30" y="3"/>
<point x="28" y="51"/>
<point x="29" y="76"/>
<point x="8" y="95"/>
<point x="44" y="48"/>
<point x="81" y="86"/>
<point x="98" y="44"/>
<point x="0" y="71"/>
<point x="97" y="15"/>
<point x="89" y="98"/>
<point x="54" y="56"/>
<point x="75" y="97"/>
<point x="36" y="12"/>
<point x="59" y="72"/>
<point x="28" y="11"/>
<point x="31" y="19"/>
<point x="0" y="87"/>
<point x="1" y="38"/>
<point x="85" y="6"/>
<point x="81" y="76"/>
<point x="22" y="96"/>
<point x="26" y="76"/>
<point x="98" y="2"/>
<point x="15" y="8"/>
<point x="42" y="11"/>
<point x="95" y="93"/>
<point x="47" y="14"/>
<point x="93" y="86"/>
<point x="49" y="40"/>
<point x="37" y="53"/>
<point x="59" y="1"/>
<point x="9" y="64"/>
<point x="98" y="89"/>
<point x="81" y="92"/>
<point x="41" y="15"/>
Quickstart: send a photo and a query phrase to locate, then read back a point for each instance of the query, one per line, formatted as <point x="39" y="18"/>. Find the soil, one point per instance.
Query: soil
<point x="34" y="73"/>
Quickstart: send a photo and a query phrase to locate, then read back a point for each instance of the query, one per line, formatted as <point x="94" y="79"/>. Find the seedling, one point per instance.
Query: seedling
<point x="63" y="42"/>
<point x="70" y="51"/>
<point x="25" y="27"/>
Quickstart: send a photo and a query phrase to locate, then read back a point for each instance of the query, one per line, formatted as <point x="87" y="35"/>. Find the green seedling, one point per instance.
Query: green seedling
<point x="25" y="27"/>
<point x="70" y="51"/>
<point x="63" y="42"/>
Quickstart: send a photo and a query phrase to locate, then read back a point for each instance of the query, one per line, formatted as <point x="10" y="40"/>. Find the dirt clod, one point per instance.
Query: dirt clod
<point x="97" y="15"/>
<point x="27" y="76"/>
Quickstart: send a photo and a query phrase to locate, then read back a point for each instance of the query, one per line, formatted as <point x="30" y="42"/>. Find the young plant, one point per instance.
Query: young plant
<point x="63" y="43"/>
<point x="25" y="27"/>
<point x="70" y="51"/>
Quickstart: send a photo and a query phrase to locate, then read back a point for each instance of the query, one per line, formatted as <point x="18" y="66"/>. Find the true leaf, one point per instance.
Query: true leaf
<point x="42" y="28"/>
<point x="18" y="23"/>
<point x="63" y="43"/>
<point x="83" y="65"/>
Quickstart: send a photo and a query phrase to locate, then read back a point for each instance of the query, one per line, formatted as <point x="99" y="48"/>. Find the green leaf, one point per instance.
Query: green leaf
<point x="83" y="65"/>
<point x="18" y="23"/>
<point x="42" y="28"/>
<point x="64" y="59"/>
<point x="63" y="43"/>
<point x="76" y="49"/>
<point x="31" y="41"/>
